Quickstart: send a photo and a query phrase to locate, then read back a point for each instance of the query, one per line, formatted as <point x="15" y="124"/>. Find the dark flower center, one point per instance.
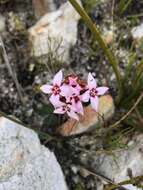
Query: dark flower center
<point x="93" y="92"/>
<point x="66" y="108"/>
<point x="74" y="85"/>
<point x="56" y="90"/>
<point x="76" y="99"/>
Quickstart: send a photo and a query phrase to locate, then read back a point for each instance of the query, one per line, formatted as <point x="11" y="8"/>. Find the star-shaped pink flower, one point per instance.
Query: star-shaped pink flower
<point x="93" y="92"/>
<point x="67" y="108"/>
<point x="56" y="89"/>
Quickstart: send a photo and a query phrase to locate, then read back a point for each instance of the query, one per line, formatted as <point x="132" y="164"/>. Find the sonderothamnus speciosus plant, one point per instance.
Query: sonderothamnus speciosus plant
<point x="68" y="94"/>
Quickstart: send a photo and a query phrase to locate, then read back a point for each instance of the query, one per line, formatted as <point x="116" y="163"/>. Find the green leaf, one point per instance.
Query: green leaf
<point x="45" y="110"/>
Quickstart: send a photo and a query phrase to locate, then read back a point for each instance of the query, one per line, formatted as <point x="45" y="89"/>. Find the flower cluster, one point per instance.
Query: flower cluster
<point x="67" y="94"/>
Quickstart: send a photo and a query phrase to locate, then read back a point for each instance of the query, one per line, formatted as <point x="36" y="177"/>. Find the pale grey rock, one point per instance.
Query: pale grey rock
<point x="115" y="166"/>
<point x="137" y="32"/>
<point x="55" y="32"/>
<point x="131" y="187"/>
<point x="24" y="163"/>
<point x="109" y="34"/>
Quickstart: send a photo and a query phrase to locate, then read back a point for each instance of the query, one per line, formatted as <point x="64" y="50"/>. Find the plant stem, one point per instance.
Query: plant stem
<point x="128" y="68"/>
<point x="124" y="5"/>
<point x="111" y="57"/>
<point x="10" y="70"/>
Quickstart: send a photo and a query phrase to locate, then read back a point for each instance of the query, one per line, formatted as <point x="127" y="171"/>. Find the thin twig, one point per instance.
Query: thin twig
<point x="128" y="113"/>
<point x="102" y="178"/>
<point x="11" y="72"/>
<point x="136" y="15"/>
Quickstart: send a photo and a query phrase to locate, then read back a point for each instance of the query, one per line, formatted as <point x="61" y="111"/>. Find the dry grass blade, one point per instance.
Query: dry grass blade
<point x="128" y="113"/>
<point x="11" y="72"/>
<point x="102" y="178"/>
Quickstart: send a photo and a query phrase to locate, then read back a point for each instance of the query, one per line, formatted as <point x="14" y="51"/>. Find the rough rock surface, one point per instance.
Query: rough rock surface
<point x="131" y="187"/>
<point x="24" y="163"/>
<point x="125" y="159"/>
<point x="90" y="119"/>
<point x="116" y="166"/>
<point x="137" y="32"/>
<point x="56" y="31"/>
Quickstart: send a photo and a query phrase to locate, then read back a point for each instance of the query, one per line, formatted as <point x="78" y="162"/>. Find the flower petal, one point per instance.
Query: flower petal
<point x="73" y="81"/>
<point x="59" y="110"/>
<point x="94" y="103"/>
<point x="91" y="81"/>
<point x="85" y="97"/>
<point x="46" y="88"/>
<point x="55" y="100"/>
<point x="73" y="115"/>
<point x="102" y="90"/>
<point x="58" y="78"/>
<point x="79" y="107"/>
<point x="65" y="90"/>
<point x="75" y="91"/>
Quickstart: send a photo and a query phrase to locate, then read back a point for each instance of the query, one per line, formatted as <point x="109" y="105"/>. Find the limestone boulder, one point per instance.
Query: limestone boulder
<point x="24" y="163"/>
<point x="55" y="32"/>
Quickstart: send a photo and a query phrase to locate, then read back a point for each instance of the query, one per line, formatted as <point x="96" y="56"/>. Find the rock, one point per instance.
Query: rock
<point x="2" y="23"/>
<point x="119" y="164"/>
<point x="42" y="7"/>
<point x="109" y="34"/>
<point x="24" y="163"/>
<point x="108" y="37"/>
<point x="131" y="187"/>
<point x="55" y="32"/>
<point x="90" y="120"/>
<point x="137" y="32"/>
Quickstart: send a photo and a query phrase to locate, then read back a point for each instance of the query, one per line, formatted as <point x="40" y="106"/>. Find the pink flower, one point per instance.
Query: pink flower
<point x="72" y="81"/>
<point x="56" y="89"/>
<point x="67" y="108"/>
<point x="67" y="95"/>
<point x="93" y="92"/>
<point x="76" y="102"/>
